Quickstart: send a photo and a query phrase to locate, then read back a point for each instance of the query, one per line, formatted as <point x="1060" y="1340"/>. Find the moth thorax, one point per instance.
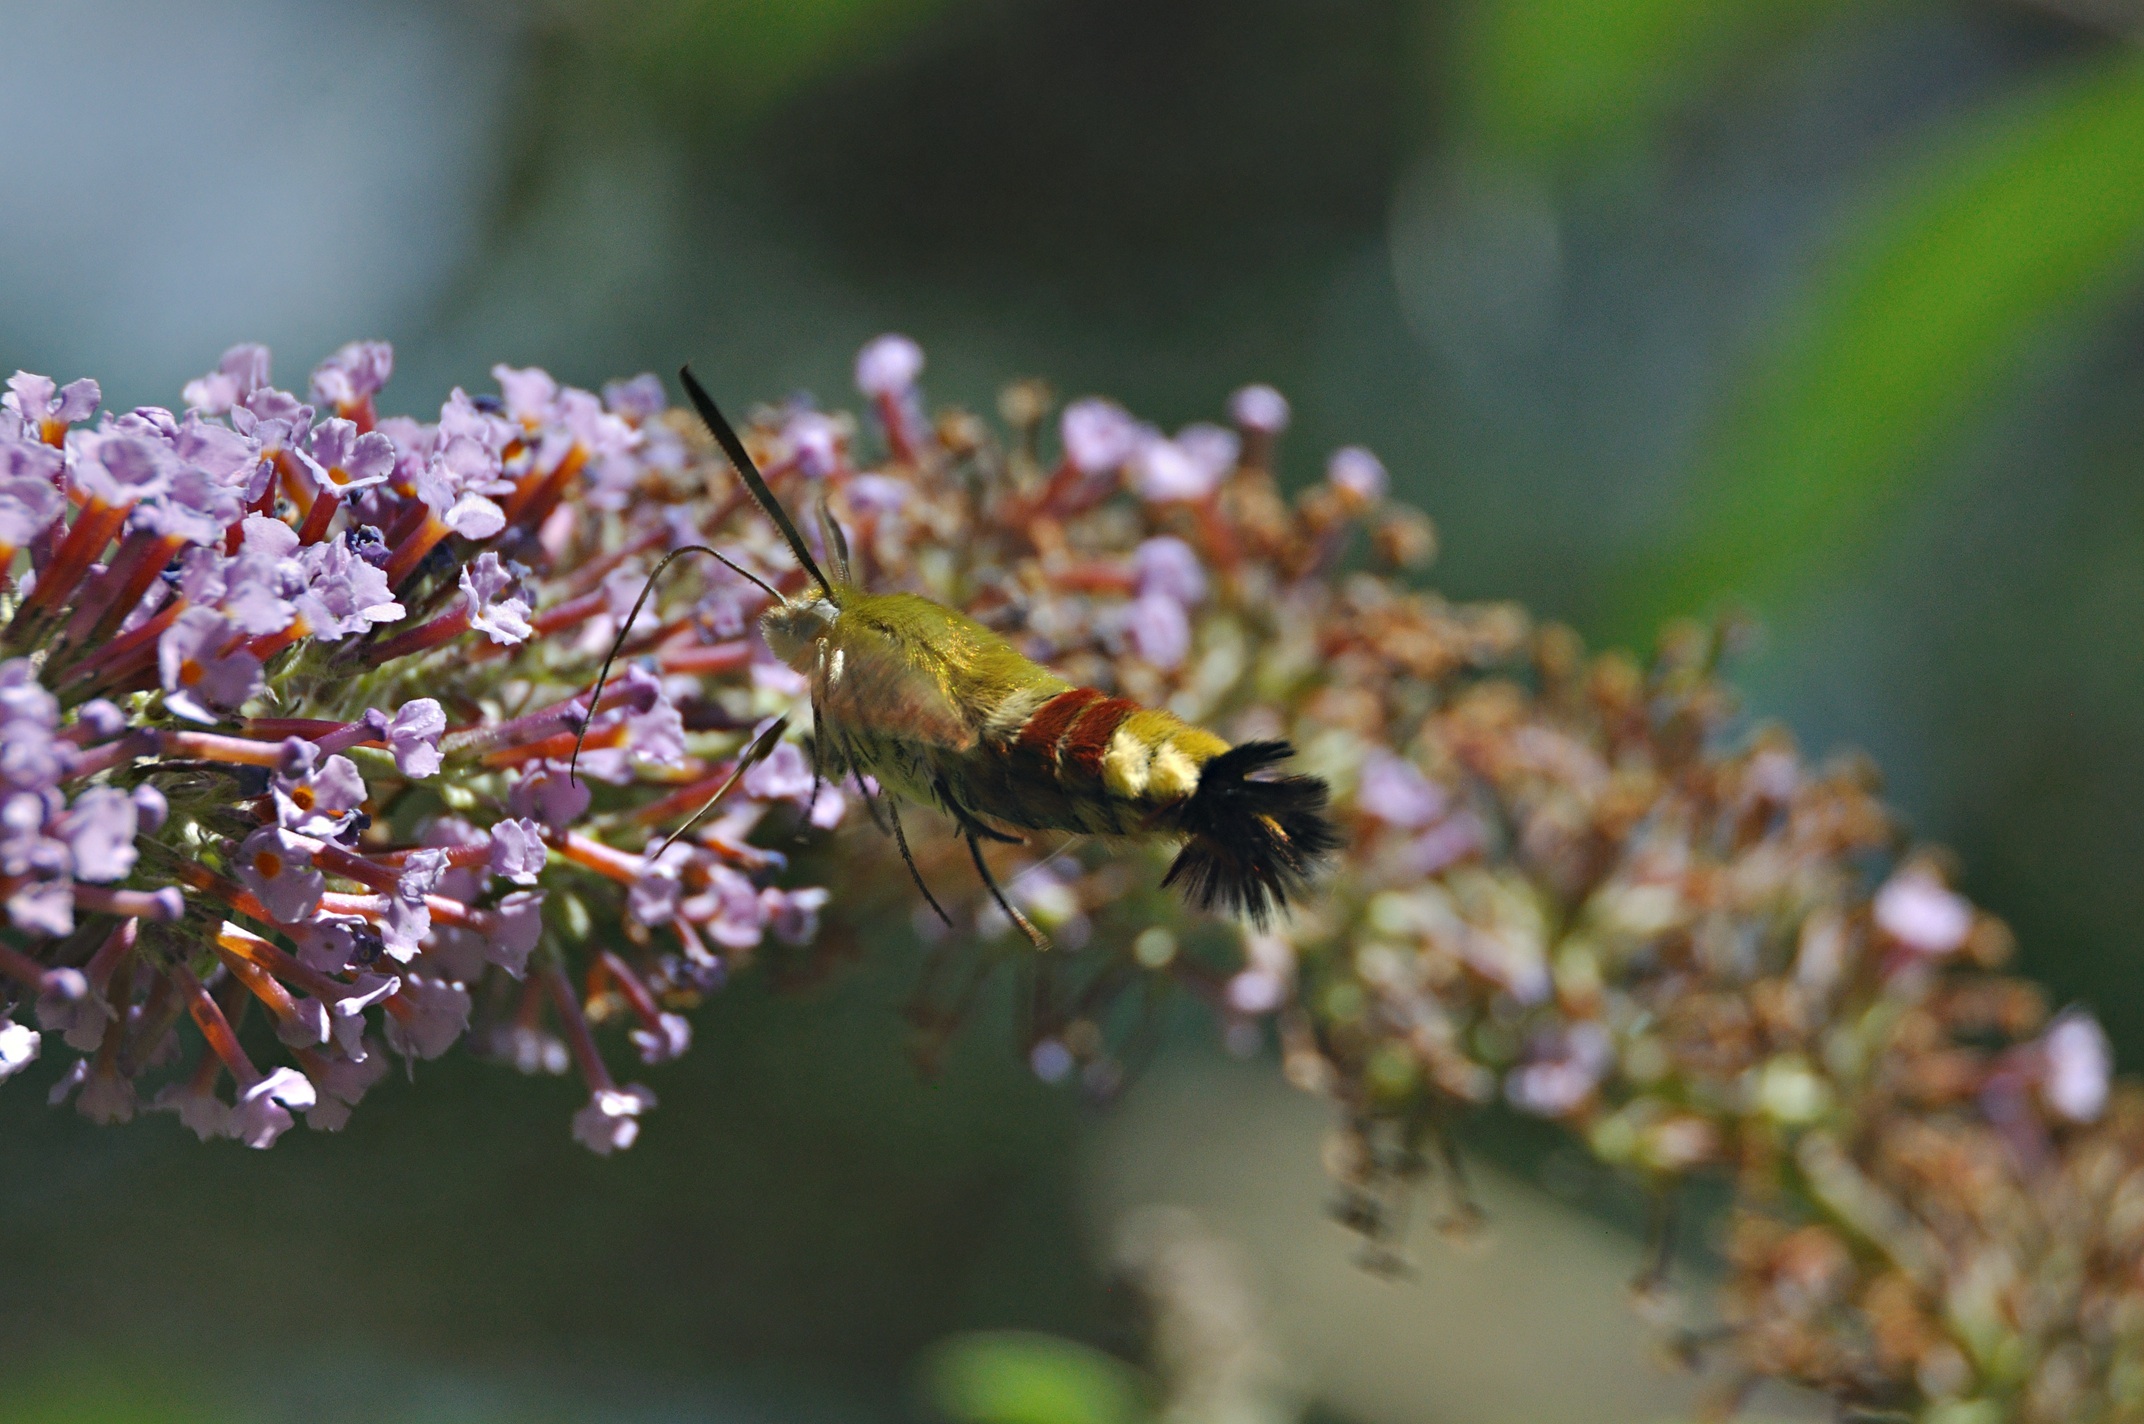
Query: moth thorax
<point x="793" y="628"/>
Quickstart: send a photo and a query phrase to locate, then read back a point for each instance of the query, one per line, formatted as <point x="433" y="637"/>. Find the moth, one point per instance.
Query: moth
<point x="942" y="711"/>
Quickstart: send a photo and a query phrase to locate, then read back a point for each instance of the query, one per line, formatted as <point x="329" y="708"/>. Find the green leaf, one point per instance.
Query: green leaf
<point x="2003" y="225"/>
<point x="1542" y="79"/>
<point x="736" y="57"/>
<point x="1014" y="1377"/>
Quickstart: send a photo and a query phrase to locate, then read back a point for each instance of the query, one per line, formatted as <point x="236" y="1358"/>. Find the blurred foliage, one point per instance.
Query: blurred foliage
<point x="1019" y="1377"/>
<point x="728" y="59"/>
<point x="1934" y="295"/>
<point x="1563" y="82"/>
<point x="90" y="1394"/>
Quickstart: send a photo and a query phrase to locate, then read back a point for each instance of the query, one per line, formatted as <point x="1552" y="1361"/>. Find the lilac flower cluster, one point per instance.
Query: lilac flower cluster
<point x="284" y="735"/>
<point x="290" y="690"/>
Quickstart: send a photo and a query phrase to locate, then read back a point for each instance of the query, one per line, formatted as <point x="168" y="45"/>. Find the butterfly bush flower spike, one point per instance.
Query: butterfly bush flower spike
<point x="292" y="685"/>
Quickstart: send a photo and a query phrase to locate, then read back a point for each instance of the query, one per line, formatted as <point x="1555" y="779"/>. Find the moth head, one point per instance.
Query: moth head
<point x="795" y="627"/>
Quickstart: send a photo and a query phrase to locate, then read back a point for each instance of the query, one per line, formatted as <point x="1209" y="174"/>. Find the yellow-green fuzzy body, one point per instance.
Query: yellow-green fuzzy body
<point x="940" y="709"/>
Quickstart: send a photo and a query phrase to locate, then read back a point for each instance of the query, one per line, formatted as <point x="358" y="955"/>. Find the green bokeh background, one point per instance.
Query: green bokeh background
<point x="1828" y="312"/>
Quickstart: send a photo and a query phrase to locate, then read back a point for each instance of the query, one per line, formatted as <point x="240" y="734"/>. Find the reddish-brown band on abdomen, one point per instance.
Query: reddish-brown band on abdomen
<point x="1047" y="724"/>
<point x="1084" y="745"/>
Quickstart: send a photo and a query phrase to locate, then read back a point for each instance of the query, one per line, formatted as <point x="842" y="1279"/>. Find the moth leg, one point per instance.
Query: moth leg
<point x="909" y="860"/>
<point x="982" y="867"/>
<point x="750" y="757"/>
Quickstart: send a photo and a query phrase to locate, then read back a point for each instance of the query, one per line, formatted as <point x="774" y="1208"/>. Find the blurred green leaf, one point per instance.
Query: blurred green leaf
<point x="1015" y="1377"/>
<point x="88" y="1394"/>
<point x="2009" y="222"/>
<point x="1544" y="78"/>
<point x="736" y="56"/>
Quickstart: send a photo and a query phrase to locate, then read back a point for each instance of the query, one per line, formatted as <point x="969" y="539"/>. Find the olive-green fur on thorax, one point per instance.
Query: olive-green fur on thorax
<point x="932" y="704"/>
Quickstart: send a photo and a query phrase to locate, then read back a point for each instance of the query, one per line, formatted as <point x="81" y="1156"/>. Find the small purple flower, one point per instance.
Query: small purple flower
<point x="1259" y="408"/>
<point x="1167" y="567"/>
<point x="207" y="1116"/>
<point x="254" y="590"/>
<point x="346" y="1011"/>
<point x="278" y="868"/>
<point x="409" y="918"/>
<point x="888" y="366"/>
<point x="203" y="667"/>
<point x="2079" y="1066"/>
<point x="517" y="851"/>
<point x="639" y="399"/>
<point x="877" y="494"/>
<point x="784" y="774"/>
<point x="276" y="420"/>
<point x="1394" y="790"/>
<point x="548" y="793"/>
<point x="530" y="393"/>
<point x="1158" y="630"/>
<point x="1099" y="436"/>
<point x="320" y="803"/>
<point x="46" y="409"/>
<point x="342" y="1084"/>
<point x="194" y="508"/>
<point x="516" y="926"/>
<point x="1922" y="914"/>
<point x="729" y="910"/>
<point x="351" y="463"/>
<point x="611" y="1121"/>
<point x="793" y="915"/>
<point x="354" y="372"/>
<point x="30" y="497"/>
<point x="1262" y="985"/>
<point x="345" y="593"/>
<point x="106" y="1097"/>
<point x="814" y="443"/>
<point x="653" y="897"/>
<point x="242" y="371"/>
<point x="150" y="809"/>
<point x="43" y="907"/>
<point x="667" y="1039"/>
<point x="305" y="1026"/>
<point x="262" y="1112"/>
<point x="656" y="734"/>
<point x="120" y="470"/>
<point x="332" y="943"/>
<point x="1358" y="475"/>
<point x="1213" y="449"/>
<point x="491" y="594"/>
<point x="412" y="734"/>
<point x="438" y="1016"/>
<point x="1165" y="472"/>
<point x="19" y="1047"/>
<point x="100" y="828"/>
<point x="1564" y="1075"/>
<point x="458" y="480"/>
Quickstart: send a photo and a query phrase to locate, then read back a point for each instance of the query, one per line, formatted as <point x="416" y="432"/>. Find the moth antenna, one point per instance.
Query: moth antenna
<point x="752" y="756"/>
<point x="732" y="447"/>
<point x="625" y="629"/>
<point x="837" y="543"/>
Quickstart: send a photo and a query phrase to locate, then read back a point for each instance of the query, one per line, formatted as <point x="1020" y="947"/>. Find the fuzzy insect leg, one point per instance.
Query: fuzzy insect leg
<point x="982" y="867"/>
<point x="900" y="839"/>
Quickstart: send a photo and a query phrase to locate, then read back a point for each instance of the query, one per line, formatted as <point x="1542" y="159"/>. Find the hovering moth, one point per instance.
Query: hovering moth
<point x="942" y="711"/>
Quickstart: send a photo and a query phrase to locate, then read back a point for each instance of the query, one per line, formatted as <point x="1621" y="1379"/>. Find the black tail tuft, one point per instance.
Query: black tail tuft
<point x="1253" y="840"/>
